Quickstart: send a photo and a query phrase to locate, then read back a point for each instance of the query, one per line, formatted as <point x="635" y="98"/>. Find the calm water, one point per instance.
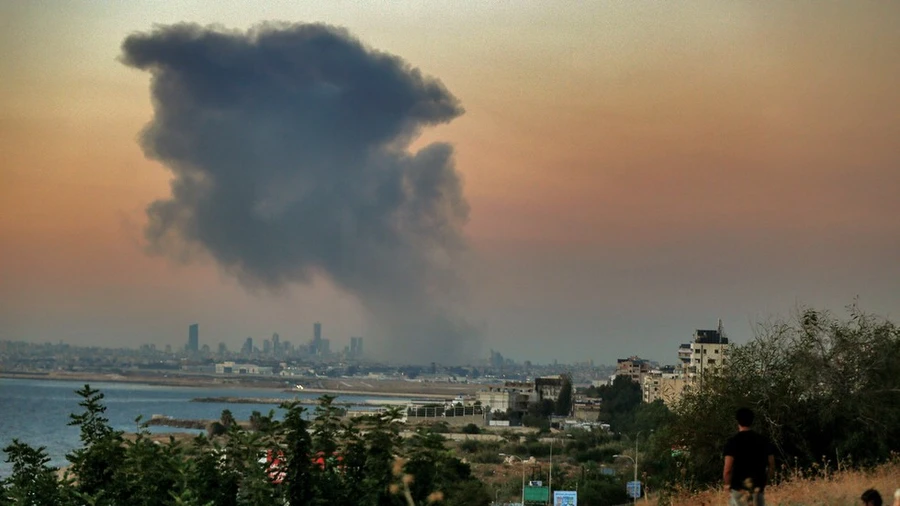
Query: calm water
<point x="37" y="411"/>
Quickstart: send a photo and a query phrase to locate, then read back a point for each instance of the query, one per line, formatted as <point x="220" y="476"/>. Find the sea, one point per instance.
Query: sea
<point x="37" y="411"/>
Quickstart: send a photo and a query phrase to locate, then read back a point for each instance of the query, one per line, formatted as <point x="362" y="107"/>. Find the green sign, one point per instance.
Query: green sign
<point x="537" y="494"/>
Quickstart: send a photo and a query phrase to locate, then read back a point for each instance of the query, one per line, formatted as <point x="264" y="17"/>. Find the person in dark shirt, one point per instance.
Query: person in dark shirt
<point x="749" y="463"/>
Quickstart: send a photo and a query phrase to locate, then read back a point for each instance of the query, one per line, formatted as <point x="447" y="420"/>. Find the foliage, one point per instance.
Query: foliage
<point x="33" y="482"/>
<point x="260" y="422"/>
<point x="564" y="401"/>
<point x="822" y="389"/>
<point x="327" y="460"/>
<point x="620" y="400"/>
<point x="95" y="464"/>
<point x="471" y="429"/>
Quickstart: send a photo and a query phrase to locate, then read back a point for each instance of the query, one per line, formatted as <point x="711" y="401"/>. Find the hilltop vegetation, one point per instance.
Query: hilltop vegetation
<point x="823" y="389"/>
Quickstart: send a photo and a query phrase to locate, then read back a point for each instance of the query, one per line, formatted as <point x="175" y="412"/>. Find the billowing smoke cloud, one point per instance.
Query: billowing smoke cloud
<point x="289" y="146"/>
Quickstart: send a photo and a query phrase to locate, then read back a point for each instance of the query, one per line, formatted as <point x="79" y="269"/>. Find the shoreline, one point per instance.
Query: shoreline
<point x="379" y="388"/>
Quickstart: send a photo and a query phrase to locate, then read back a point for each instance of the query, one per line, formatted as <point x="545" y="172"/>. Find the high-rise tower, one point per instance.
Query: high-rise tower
<point x="193" y="344"/>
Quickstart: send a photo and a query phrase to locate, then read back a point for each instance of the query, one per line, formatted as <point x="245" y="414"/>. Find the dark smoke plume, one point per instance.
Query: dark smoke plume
<point x="289" y="146"/>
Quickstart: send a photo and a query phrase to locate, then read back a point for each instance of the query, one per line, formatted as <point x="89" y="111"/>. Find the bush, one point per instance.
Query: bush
<point x="821" y="387"/>
<point x="487" y="456"/>
<point x="215" y="428"/>
<point x="471" y="429"/>
<point x="469" y="446"/>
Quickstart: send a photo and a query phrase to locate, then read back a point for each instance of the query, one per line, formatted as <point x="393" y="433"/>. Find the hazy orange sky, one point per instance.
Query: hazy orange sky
<point x="635" y="170"/>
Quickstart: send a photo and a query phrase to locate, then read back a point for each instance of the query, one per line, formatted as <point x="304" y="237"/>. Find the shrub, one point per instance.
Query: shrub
<point x="471" y="429"/>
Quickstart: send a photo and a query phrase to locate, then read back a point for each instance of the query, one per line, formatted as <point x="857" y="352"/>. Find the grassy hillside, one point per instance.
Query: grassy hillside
<point x="824" y="488"/>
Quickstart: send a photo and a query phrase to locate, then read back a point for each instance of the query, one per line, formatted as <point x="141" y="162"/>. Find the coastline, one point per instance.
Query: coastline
<point x="324" y="386"/>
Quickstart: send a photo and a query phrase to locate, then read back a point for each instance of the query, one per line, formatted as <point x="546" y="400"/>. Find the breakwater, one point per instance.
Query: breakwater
<point x="264" y="400"/>
<point x="167" y="421"/>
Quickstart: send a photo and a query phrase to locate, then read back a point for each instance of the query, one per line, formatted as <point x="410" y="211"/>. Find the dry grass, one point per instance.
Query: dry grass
<point x="822" y="487"/>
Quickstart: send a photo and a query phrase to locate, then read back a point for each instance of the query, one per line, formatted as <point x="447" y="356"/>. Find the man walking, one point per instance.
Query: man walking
<point x="749" y="463"/>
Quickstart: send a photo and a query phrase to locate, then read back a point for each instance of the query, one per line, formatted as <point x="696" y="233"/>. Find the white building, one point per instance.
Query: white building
<point x="705" y="356"/>
<point x="708" y="353"/>
<point x="667" y="387"/>
<point x="232" y="368"/>
<point x="515" y="396"/>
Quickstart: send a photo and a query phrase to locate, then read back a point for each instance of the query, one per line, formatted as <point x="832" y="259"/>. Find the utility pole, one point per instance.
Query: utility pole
<point x="523" y="473"/>
<point x="550" y="496"/>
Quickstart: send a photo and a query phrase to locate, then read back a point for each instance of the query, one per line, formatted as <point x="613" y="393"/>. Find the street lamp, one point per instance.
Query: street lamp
<point x="633" y="461"/>
<point x="636" y="438"/>
<point x="523" y="473"/>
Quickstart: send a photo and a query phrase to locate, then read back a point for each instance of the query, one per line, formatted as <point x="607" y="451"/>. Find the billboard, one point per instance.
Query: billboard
<point x="537" y="494"/>
<point x="633" y="488"/>
<point x="565" y="498"/>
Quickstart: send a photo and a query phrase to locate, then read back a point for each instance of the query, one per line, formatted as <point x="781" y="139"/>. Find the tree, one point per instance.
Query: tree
<point x="227" y="419"/>
<point x="33" y="482"/>
<point x="619" y="402"/>
<point x="297" y="453"/>
<point x="821" y="387"/>
<point x="382" y="441"/>
<point x="327" y="484"/>
<point x="471" y="429"/>
<point x="564" y="401"/>
<point x="94" y="465"/>
<point x="260" y="422"/>
<point x="146" y="474"/>
<point x="205" y="476"/>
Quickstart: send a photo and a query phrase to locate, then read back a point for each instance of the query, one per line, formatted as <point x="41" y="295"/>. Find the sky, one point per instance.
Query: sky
<point x="633" y="171"/>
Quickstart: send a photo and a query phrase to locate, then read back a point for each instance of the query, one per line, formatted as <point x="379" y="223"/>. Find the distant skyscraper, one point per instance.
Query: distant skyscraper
<point x="193" y="343"/>
<point x="356" y="347"/>
<point x="317" y="339"/>
<point x="276" y="344"/>
<point x="247" y="349"/>
<point x="267" y="346"/>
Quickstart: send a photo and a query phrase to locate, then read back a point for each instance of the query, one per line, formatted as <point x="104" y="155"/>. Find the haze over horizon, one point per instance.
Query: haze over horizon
<point x="633" y="171"/>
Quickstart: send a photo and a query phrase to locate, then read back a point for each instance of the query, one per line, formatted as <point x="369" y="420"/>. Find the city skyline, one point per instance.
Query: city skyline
<point x="633" y="171"/>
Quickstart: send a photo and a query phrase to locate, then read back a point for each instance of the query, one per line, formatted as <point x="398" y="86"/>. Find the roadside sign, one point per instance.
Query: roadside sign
<point x="537" y="494"/>
<point x="565" y="498"/>
<point x="634" y="489"/>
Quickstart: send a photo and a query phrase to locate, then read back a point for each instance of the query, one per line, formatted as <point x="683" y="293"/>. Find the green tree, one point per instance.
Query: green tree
<point x="382" y="440"/>
<point x="260" y="422"/>
<point x="564" y="401"/>
<point x="435" y="470"/>
<point x="147" y="473"/>
<point x="821" y="387"/>
<point x="207" y="476"/>
<point x="227" y="419"/>
<point x="327" y="483"/>
<point x="94" y="464"/>
<point x="32" y="482"/>
<point x="471" y="429"/>
<point x="619" y="402"/>
<point x="297" y="450"/>
<point x="353" y="461"/>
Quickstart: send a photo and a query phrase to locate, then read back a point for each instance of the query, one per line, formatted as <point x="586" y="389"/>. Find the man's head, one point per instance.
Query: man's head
<point x="871" y="497"/>
<point x="744" y="417"/>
